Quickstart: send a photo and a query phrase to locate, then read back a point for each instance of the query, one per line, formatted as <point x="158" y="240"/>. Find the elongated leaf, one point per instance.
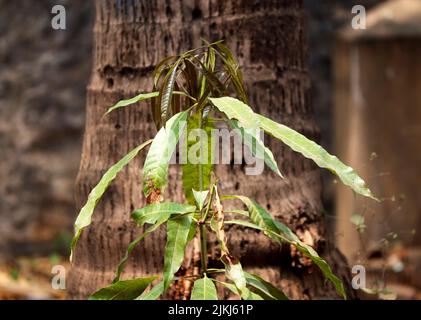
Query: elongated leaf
<point x="266" y="290"/>
<point x="204" y="289"/>
<point x="160" y="67"/>
<point x="193" y="229"/>
<point x="244" y="223"/>
<point x="163" y="218"/>
<point x="167" y="91"/>
<point x="154" y="294"/>
<point x="197" y="158"/>
<point x="233" y="69"/>
<point x="280" y="232"/>
<point x="257" y="147"/>
<point x="313" y="151"/>
<point x="155" y="170"/>
<point x="138" y="98"/>
<point x="84" y="218"/>
<point x="151" y="213"/>
<point x="123" y="290"/>
<point x="178" y="230"/>
<point x="190" y="77"/>
<point x="235" y="109"/>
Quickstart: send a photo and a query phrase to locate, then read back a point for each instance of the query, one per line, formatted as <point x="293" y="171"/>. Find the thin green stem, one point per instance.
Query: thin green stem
<point x="202" y="228"/>
<point x="203" y="248"/>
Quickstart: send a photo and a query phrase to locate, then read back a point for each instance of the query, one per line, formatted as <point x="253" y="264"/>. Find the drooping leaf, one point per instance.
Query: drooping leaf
<point x="313" y="151"/>
<point x="138" y="98"/>
<point x="155" y="170"/>
<point x="162" y="219"/>
<point x="244" y="223"/>
<point x="280" y="232"/>
<point x="151" y="213"/>
<point x="209" y="78"/>
<point x="197" y="157"/>
<point x="190" y="76"/>
<point x="256" y="146"/>
<point x="160" y="67"/>
<point x="204" y="289"/>
<point x="123" y="290"/>
<point x="154" y="294"/>
<point x="200" y="198"/>
<point x="178" y="230"/>
<point x="233" y="69"/>
<point x="264" y="288"/>
<point x="166" y="91"/>
<point x="235" y="109"/>
<point x="84" y="218"/>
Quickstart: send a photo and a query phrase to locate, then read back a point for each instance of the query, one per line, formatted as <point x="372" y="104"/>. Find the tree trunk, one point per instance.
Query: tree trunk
<point x="268" y="37"/>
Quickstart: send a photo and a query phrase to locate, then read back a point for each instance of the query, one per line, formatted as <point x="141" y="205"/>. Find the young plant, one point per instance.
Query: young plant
<point x="191" y="91"/>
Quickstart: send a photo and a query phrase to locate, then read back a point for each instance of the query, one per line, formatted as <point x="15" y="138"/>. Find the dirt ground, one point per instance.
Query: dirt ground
<point x="30" y="278"/>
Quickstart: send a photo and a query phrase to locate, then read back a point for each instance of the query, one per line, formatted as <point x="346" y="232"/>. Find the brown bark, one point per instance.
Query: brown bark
<point x="268" y="37"/>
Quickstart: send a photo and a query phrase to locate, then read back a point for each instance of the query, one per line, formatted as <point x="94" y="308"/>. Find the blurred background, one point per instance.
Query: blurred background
<point x="366" y="99"/>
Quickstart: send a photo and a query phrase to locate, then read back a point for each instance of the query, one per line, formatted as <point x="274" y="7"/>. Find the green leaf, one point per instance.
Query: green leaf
<point x="200" y="198"/>
<point x="280" y="232"/>
<point x="265" y="289"/>
<point x="163" y="218"/>
<point x="204" y="289"/>
<point x="154" y="294"/>
<point x="313" y="151"/>
<point x="84" y="218"/>
<point x="197" y="159"/>
<point x="257" y="147"/>
<point x="151" y="213"/>
<point x="235" y="109"/>
<point x="155" y="170"/>
<point x="245" y="224"/>
<point x="178" y="229"/>
<point x="123" y="290"/>
<point x="138" y="98"/>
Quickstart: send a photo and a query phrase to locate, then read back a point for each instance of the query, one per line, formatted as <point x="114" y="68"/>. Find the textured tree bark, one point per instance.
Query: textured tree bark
<point x="268" y="37"/>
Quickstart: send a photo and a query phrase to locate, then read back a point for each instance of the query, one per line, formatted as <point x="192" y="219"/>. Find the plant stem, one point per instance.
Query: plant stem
<point x="203" y="240"/>
<point x="203" y="248"/>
